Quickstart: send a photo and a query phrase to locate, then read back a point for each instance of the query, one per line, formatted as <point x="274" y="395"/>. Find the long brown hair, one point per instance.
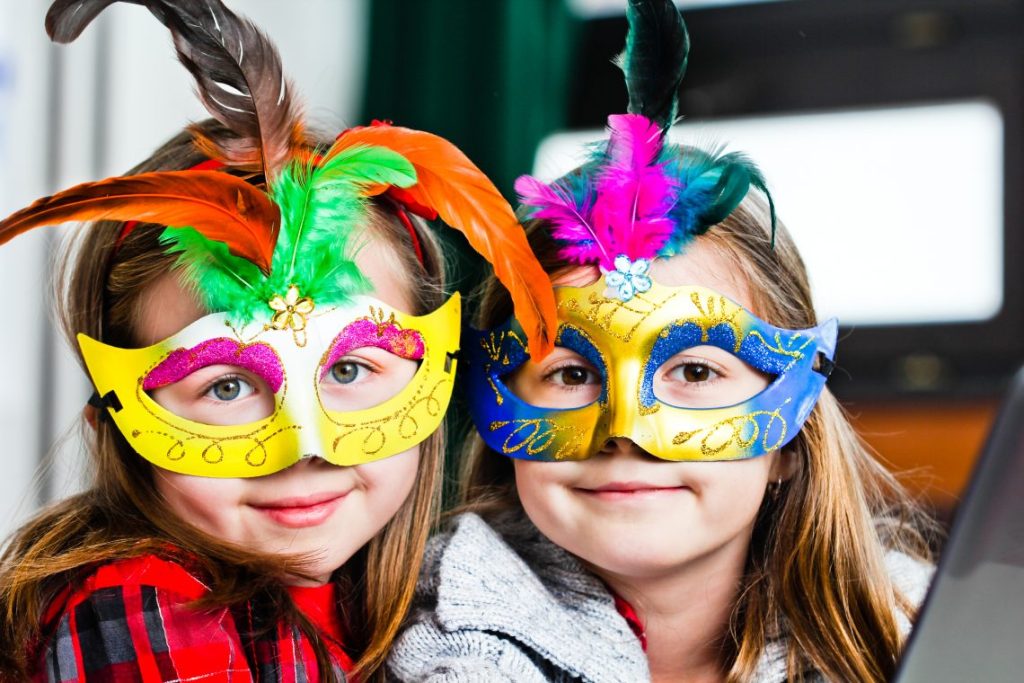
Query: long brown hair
<point x="815" y="568"/>
<point x="121" y="514"/>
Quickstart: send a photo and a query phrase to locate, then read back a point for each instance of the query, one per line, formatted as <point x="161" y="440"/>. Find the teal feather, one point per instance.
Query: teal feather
<point x="712" y="185"/>
<point x="654" y="60"/>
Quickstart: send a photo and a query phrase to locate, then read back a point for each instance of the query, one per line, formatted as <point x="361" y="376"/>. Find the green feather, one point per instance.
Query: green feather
<point x="322" y="207"/>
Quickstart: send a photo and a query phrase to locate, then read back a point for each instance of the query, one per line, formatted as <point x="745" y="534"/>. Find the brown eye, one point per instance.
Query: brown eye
<point x="574" y="376"/>
<point x="696" y="373"/>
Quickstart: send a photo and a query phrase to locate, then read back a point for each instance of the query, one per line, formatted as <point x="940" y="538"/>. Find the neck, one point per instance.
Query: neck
<point x="685" y="613"/>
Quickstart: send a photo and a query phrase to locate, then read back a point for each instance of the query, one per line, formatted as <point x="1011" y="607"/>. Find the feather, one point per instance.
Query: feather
<point x="712" y="185"/>
<point x="66" y="19"/>
<point x="237" y="71"/>
<point x="468" y="201"/>
<point x="223" y="281"/>
<point x="635" y="194"/>
<point x="221" y="207"/>
<point x="569" y="219"/>
<point x="654" y="60"/>
<point x="322" y="205"/>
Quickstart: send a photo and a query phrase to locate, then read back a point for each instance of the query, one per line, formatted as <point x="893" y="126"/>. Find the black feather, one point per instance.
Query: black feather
<point x="237" y="71"/>
<point x="654" y="60"/>
<point x="66" y="19"/>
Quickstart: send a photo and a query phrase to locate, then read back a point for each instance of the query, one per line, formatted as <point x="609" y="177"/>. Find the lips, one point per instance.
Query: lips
<point x="619" y="490"/>
<point x="301" y="511"/>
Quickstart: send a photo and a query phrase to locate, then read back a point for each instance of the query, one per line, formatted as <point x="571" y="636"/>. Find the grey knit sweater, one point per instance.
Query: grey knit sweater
<point x="502" y="603"/>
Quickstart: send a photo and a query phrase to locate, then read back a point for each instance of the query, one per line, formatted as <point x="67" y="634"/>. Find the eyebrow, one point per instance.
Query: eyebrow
<point x="258" y="359"/>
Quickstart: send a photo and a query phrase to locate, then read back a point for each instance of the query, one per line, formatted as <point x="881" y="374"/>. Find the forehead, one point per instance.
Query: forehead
<point x="701" y="264"/>
<point x="168" y="305"/>
<point x="706" y="266"/>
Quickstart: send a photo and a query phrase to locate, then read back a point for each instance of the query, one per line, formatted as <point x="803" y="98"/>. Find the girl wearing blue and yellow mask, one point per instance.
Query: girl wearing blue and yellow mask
<point x="265" y="325"/>
<point x="672" y="493"/>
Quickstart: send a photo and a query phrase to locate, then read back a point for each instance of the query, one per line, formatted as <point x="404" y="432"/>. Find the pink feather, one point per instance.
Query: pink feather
<point x="569" y="221"/>
<point x="634" y="193"/>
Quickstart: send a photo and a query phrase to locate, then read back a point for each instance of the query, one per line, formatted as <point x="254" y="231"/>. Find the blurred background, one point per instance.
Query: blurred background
<point x="889" y="130"/>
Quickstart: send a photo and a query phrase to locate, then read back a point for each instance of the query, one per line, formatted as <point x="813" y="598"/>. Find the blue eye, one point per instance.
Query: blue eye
<point x="349" y="372"/>
<point x="229" y="389"/>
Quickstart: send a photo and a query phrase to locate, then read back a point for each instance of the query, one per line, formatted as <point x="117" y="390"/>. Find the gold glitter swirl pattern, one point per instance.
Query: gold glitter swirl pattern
<point x="717" y="310"/>
<point x="492" y="344"/>
<point x="408" y="426"/>
<point x="176" y="451"/>
<point x="536" y="435"/>
<point x="794" y="350"/>
<point x="617" y="318"/>
<point x="213" y="452"/>
<point x="734" y="428"/>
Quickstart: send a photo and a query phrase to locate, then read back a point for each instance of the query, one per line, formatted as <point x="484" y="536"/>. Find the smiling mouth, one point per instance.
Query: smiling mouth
<point x="298" y="513"/>
<point x="630" y="490"/>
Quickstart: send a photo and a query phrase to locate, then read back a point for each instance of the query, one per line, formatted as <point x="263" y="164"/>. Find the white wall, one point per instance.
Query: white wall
<point x="120" y="95"/>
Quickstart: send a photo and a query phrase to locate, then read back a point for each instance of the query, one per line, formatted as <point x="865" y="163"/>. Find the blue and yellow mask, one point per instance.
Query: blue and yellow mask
<point x="627" y="342"/>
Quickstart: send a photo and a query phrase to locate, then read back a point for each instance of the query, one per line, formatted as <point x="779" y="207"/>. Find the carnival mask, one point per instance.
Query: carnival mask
<point x="295" y="356"/>
<point x="627" y="342"/>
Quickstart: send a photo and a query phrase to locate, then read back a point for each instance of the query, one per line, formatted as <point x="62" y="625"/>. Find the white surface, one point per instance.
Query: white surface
<point x="898" y="213"/>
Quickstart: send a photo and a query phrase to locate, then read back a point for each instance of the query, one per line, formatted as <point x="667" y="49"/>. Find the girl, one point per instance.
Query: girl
<point x="266" y="331"/>
<point x="671" y="494"/>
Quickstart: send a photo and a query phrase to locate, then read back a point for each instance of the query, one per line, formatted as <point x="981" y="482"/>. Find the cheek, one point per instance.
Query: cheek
<point x="732" y="492"/>
<point x="204" y="502"/>
<point x="544" y="494"/>
<point x="387" y="483"/>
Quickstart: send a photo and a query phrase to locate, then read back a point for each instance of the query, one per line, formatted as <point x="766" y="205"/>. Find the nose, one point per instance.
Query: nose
<point x="310" y="442"/>
<point x="622" y="445"/>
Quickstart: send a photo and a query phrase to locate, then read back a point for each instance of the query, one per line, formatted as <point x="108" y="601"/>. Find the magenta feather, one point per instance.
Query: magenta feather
<point x="635" y="194"/>
<point x="569" y="221"/>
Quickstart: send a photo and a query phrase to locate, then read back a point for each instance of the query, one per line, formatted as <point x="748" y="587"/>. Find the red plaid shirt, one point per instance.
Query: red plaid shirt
<point x="131" y="621"/>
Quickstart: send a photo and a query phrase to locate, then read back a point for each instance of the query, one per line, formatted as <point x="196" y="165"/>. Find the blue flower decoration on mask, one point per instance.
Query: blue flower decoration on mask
<point x="628" y="278"/>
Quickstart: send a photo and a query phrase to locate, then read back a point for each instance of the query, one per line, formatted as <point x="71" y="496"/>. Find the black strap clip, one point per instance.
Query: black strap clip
<point x="108" y="400"/>
<point x="449" y="358"/>
<point x="824" y="365"/>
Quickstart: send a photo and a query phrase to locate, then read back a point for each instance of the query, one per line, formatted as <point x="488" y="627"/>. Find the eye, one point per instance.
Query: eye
<point x="572" y="376"/>
<point x="229" y="389"/>
<point x="345" y="372"/>
<point x="695" y="372"/>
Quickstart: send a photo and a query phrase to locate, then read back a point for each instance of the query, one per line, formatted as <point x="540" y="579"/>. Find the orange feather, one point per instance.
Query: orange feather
<point x="219" y="206"/>
<point x="468" y="201"/>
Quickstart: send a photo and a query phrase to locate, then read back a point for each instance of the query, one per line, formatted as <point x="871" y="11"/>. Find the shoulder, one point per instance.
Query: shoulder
<point x="909" y="575"/>
<point x="498" y="601"/>
<point x="911" y="578"/>
<point x="136" y="618"/>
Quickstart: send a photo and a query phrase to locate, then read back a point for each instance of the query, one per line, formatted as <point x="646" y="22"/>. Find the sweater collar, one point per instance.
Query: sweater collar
<point x="514" y="581"/>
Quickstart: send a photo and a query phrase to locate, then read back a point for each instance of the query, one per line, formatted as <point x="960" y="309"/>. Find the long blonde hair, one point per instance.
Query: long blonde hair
<point x="121" y="514"/>
<point x="816" y="565"/>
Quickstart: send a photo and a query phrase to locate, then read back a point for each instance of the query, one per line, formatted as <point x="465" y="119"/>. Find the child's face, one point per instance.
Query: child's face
<point x="623" y="511"/>
<point x="312" y="507"/>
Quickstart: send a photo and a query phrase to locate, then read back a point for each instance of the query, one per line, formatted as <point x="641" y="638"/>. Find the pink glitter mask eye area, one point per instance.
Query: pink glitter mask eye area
<point x="259" y="359"/>
<point x="389" y="336"/>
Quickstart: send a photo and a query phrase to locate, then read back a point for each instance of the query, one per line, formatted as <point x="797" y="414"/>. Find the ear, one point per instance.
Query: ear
<point x="90" y="415"/>
<point x="784" y="466"/>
